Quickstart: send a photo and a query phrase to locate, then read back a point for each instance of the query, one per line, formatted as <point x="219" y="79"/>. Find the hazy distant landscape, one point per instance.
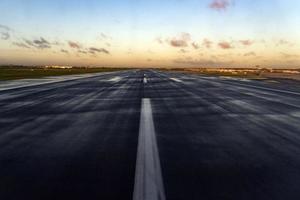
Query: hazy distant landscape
<point x="28" y="72"/>
<point x="250" y="73"/>
<point x="24" y="72"/>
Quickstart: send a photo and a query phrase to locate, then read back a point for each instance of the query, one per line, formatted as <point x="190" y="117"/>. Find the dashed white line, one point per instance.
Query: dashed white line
<point x="145" y="80"/>
<point x="115" y="79"/>
<point x="148" y="177"/>
<point x="176" y="79"/>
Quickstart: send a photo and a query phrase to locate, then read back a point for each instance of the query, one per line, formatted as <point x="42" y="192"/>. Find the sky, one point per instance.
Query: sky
<point x="156" y="33"/>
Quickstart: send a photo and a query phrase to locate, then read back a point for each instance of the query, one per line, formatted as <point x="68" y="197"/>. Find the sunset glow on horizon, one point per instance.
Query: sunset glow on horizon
<point x="140" y="33"/>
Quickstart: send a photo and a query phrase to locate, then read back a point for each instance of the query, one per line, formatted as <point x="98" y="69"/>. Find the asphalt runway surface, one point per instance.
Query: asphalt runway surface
<point x="151" y="135"/>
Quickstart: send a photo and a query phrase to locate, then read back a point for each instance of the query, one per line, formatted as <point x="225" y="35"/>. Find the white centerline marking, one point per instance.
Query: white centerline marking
<point x="177" y="80"/>
<point x="115" y="79"/>
<point x="145" y="80"/>
<point x="148" y="177"/>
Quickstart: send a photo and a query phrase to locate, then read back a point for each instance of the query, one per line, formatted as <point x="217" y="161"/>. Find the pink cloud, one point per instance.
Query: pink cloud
<point x="246" y="42"/>
<point x="219" y="4"/>
<point x="225" y="45"/>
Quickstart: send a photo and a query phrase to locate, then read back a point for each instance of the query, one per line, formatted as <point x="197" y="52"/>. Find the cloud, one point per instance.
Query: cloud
<point x="5" y="27"/>
<point x="246" y="42"/>
<point x="29" y="42"/>
<point x="105" y="37"/>
<point x="220" y="5"/>
<point x="129" y="51"/>
<point x="94" y="50"/>
<point x="195" y="45"/>
<point x="283" y="42"/>
<point x="4" y="32"/>
<point x="21" y="44"/>
<point x="74" y="45"/>
<point x="5" y="35"/>
<point x="207" y="43"/>
<point x="159" y="40"/>
<point x="150" y="51"/>
<point x="183" y="51"/>
<point x="287" y="55"/>
<point x="180" y="41"/>
<point x="252" y="53"/>
<point x="64" y="51"/>
<point x="83" y="52"/>
<point x="57" y="43"/>
<point x="225" y="45"/>
<point x="39" y="43"/>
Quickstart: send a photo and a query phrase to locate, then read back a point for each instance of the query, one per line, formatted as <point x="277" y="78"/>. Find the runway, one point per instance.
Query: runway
<point x="150" y="135"/>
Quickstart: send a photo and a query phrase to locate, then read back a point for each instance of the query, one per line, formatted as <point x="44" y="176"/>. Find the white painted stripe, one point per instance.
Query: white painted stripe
<point x="145" y="80"/>
<point x="115" y="79"/>
<point x="177" y="80"/>
<point x="148" y="177"/>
